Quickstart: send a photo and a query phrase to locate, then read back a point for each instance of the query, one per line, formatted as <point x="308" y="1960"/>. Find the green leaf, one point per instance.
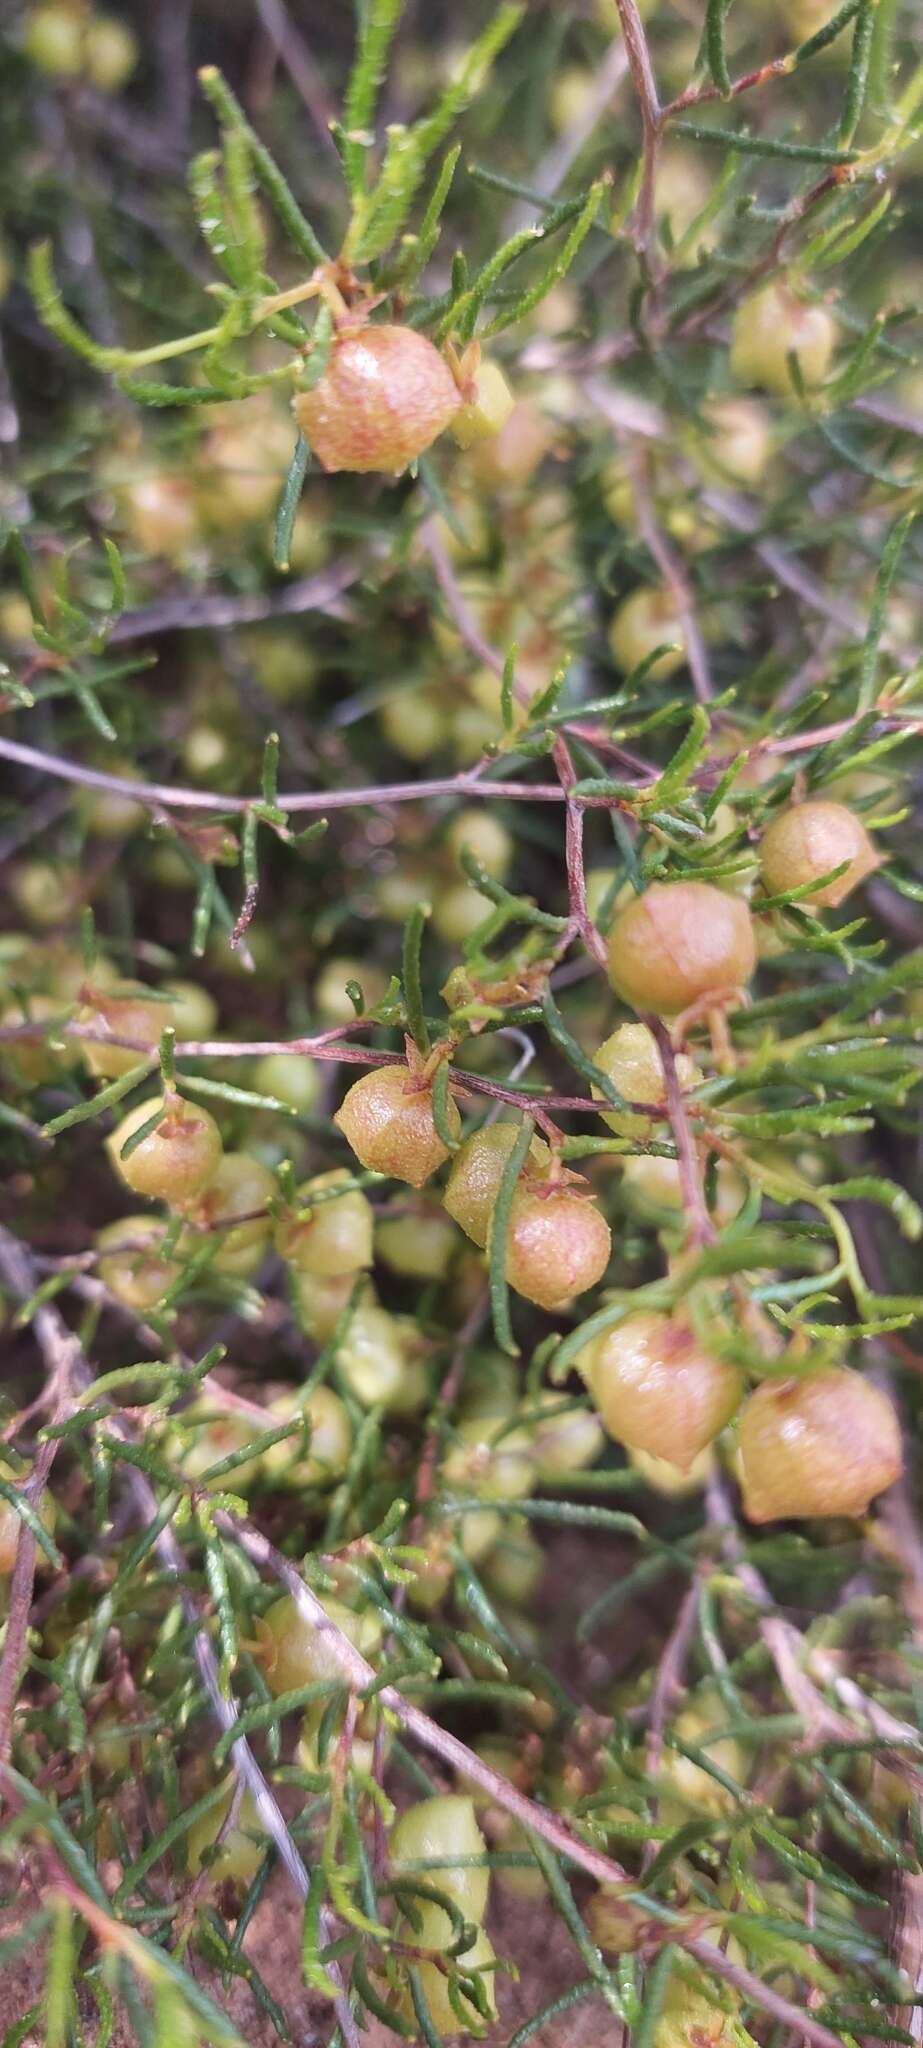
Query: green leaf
<point x="413" y="993"/>
<point x="378" y="21"/>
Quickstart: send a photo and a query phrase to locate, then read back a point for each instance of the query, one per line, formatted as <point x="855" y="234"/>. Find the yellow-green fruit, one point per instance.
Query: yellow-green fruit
<point x="557" y="1245"/>
<point x="30" y="1061"/>
<point x="679" y="944"/>
<point x="414" y="723"/>
<point x="657" y="1388"/>
<point x="669" y="1480"/>
<point x="475" y="1174"/>
<point x="630" y="1058"/>
<point x="139" y="1276"/>
<point x="107" y="812"/>
<point x="207" y="751"/>
<point x="243" y="1187"/>
<point x="194" y="1009"/>
<point x="110" y="52"/>
<point x="443" y="1834"/>
<point x="40" y="890"/>
<point x="216" y="1435"/>
<point x="459" y="911"/>
<point x="243" y="465"/>
<point x="644" y="621"/>
<point x="485" y="409"/>
<point x="420" y="1246"/>
<point x="687" y="1784"/>
<point x="512" y="456"/>
<point x="505" y="1758"/>
<point x="806" y="842"/>
<point x="494" y="1470"/>
<point x="822" y="1445"/>
<point x="769" y="327"/>
<point x="11" y="1523"/>
<point x="160" y="514"/>
<point x="378" y="1363"/>
<point x="362" y="1749"/>
<point x="330" y="998"/>
<point x="291" y="1077"/>
<point x="126" y="1012"/>
<point x="334" y="1236"/>
<point x="242" y="1848"/>
<point x="738" y="441"/>
<point x="513" y="1569"/>
<point x="329" y="1439"/>
<point x="653" y="1185"/>
<point x="565" y="1438"/>
<point x="53" y="40"/>
<point x="178" y="1157"/>
<point x="477" y="831"/>
<point x="387" y="1118"/>
<point x="321" y="1302"/>
<point x="296" y="1651"/>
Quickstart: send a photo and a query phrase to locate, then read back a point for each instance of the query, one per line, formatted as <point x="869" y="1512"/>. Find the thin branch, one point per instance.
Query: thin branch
<point x="645" y="85"/>
<point x="700" y="1227"/>
<point x="187" y="612"/>
<point x="163" y="795"/>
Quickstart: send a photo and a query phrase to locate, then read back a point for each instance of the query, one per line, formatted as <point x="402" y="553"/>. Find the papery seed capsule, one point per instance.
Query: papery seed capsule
<point x="178" y="1157"/>
<point x="806" y="842"/>
<point x="821" y="1445"/>
<point x="387" y="1118"/>
<point x="334" y="1236"/>
<point x="384" y="397"/>
<point x="630" y="1058"/>
<point x="769" y="326"/>
<point x="678" y="944"/>
<point x="476" y="1171"/>
<point x="657" y="1388"/>
<point x="557" y="1245"/>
